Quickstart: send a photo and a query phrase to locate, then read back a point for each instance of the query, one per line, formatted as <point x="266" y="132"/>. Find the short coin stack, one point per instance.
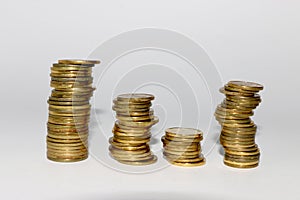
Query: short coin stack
<point x="238" y="130"/>
<point x="182" y="147"/>
<point x="130" y="143"/>
<point x="69" y="110"/>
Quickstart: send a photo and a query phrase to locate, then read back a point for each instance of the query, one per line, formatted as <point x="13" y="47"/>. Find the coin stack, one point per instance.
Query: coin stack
<point x="238" y="130"/>
<point x="182" y="147"/>
<point x="69" y="110"/>
<point x="130" y="143"/>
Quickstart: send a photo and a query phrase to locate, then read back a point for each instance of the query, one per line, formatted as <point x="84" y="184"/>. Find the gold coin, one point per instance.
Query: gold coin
<point x="79" y="62"/>
<point x="76" y="79"/>
<point x="232" y="89"/>
<point x="83" y="107"/>
<point x="174" y="147"/>
<point x="236" y="145"/>
<point x="68" y="103"/>
<point x="66" y="144"/>
<point x="68" y="136"/>
<point x="116" y="150"/>
<point x="227" y="92"/>
<point x="58" y="159"/>
<point x="128" y="134"/>
<point x="180" y="141"/>
<point x="116" y="143"/>
<point x="240" y="130"/>
<point x="135" y="119"/>
<point x="174" y="157"/>
<point x="184" y="132"/>
<point x="132" y="130"/>
<point x="131" y="103"/>
<point x="57" y="129"/>
<point x="127" y="110"/>
<point x="132" y="157"/>
<point x="241" y="105"/>
<point x="189" y="164"/>
<point x="139" y="124"/>
<point x="67" y="149"/>
<point x="252" y="151"/>
<point x="187" y="160"/>
<point x="135" y="97"/>
<point x="248" y="86"/>
<point x="134" y="142"/>
<point x="234" y="121"/>
<point x="179" y="153"/>
<point x="233" y="111"/>
<point x="66" y="141"/>
<point x="243" y="159"/>
<point x="230" y="116"/>
<point x="136" y="113"/>
<point x="68" y="74"/>
<point x="241" y="164"/>
<point x="236" y="125"/>
<point x="236" y="135"/>
<point x="150" y="161"/>
<point x="237" y="138"/>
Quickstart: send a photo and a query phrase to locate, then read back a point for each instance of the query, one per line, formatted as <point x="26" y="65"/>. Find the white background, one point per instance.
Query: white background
<point x="254" y="40"/>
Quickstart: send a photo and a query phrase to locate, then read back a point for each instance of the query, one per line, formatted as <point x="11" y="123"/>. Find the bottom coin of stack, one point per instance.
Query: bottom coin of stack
<point x="130" y="143"/>
<point x="238" y="130"/>
<point x="182" y="147"/>
<point x="69" y="110"/>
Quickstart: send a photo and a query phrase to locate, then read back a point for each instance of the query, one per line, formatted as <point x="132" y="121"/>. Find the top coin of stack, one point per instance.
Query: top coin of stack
<point x="129" y="145"/>
<point x="182" y="147"/>
<point x="238" y="130"/>
<point x="69" y="110"/>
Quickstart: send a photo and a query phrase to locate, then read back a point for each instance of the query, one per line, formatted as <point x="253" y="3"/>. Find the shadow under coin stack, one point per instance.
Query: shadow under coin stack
<point x="238" y="130"/>
<point x="69" y="110"/>
<point x="182" y="147"/>
<point x="130" y="143"/>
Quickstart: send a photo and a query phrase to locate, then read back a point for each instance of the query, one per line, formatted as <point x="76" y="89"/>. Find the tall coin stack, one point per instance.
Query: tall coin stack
<point x="238" y="130"/>
<point x="130" y="143"/>
<point x="182" y="147"/>
<point x="69" y="110"/>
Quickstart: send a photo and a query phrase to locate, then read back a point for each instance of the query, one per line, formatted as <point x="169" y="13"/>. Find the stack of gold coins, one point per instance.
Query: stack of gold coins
<point x="182" y="147"/>
<point x="130" y="143"/>
<point x="69" y="110"/>
<point x="238" y="130"/>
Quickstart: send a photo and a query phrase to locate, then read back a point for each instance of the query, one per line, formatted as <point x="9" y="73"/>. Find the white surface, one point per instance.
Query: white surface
<point x="251" y="40"/>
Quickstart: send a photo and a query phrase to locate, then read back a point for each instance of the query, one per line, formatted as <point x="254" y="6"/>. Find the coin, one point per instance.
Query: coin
<point x="79" y="62"/>
<point x="135" y="119"/>
<point x="135" y="97"/>
<point x="183" y="132"/>
<point x="189" y="164"/>
<point x="150" y="161"/>
<point x="246" y="85"/>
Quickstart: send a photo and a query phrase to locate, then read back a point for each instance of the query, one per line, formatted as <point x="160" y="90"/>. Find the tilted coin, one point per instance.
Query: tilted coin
<point x="135" y="97"/>
<point x="79" y="62"/>
<point x="251" y="86"/>
<point x="226" y="92"/>
<point x="139" y="124"/>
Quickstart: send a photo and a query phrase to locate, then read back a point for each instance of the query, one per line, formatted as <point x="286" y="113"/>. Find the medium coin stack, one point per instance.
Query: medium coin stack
<point x="69" y="110"/>
<point x="182" y="147"/>
<point x="130" y="143"/>
<point x="238" y="130"/>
